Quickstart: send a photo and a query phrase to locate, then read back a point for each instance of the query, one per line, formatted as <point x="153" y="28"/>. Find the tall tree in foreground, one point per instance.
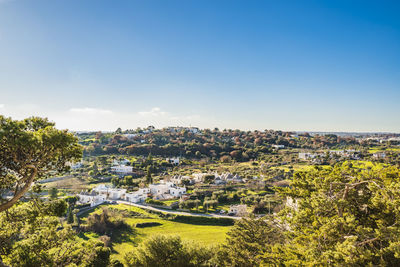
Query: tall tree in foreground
<point x="30" y="149"/>
<point x="30" y="235"/>
<point x="251" y="243"/>
<point x="343" y="216"/>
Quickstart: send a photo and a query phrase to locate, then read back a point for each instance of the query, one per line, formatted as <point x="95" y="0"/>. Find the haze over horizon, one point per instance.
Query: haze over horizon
<point x="331" y="66"/>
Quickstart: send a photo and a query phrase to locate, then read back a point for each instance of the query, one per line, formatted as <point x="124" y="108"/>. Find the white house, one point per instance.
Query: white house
<point x="238" y="210"/>
<point x="161" y="188"/>
<point x="121" y="169"/>
<point x="379" y="155"/>
<point x="199" y="177"/>
<point x="101" y="189"/>
<point x="116" y="193"/>
<point x="166" y="190"/>
<point x="109" y="192"/>
<point x="91" y="198"/>
<point x="138" y="196"/>
<point x="305" y="155"/>
<point x="174" y="161"/>
<point x="278" y="146"/>
<point x="177" y="191"/>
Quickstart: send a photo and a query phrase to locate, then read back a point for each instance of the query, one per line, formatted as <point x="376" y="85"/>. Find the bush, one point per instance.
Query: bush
<point x="155" y="202"/>
<point x="147" y="224"/>
<point x="169" y="251"/>
<point x="105" y="222"/>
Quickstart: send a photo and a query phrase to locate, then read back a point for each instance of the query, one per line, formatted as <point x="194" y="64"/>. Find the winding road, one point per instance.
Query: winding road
<point x="176" y="212"/>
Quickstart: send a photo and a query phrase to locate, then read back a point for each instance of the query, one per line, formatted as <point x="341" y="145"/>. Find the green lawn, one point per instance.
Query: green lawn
<point x="126" y="241"/>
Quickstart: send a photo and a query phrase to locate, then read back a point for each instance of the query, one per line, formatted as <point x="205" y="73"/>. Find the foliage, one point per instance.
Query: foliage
<point x="30" y="149"/>
<point x="169" y="251"/>
<point x="250" y="243"/>
<point x="154" y="202"/>
<point x="344" y="216"/>
<point x="30" y="235"/>
<point x="105" y="222"/>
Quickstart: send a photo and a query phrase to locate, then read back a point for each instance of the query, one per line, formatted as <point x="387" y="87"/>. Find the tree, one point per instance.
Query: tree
<point x="30" y="149"/>
<point x="208" y="179"/>
<point x="343" y="217"/>
<point x="102" y="160"/>
<point x="149" y="179"/>
<point x="53" y="193"/>
<point x="30" y="236"/>
<point x="248" y="243"/>
<point x="169" y="251"/>
<point x="70" y="216"/>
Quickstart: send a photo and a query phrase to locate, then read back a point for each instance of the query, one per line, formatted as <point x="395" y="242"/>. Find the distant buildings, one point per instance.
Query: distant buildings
<point x="130" y="136"/>
<point x="193" y="130"/>
<point x="379" y="155"/>
<point x="173" y="161"/>
<point x="122" y="169"/>
<point x="120" y="166"/>
<point x="166" y="190"/>
<point x="159" y="191"/>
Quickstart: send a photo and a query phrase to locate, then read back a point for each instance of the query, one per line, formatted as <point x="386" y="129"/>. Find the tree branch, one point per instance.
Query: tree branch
<point x="23" y="190"/>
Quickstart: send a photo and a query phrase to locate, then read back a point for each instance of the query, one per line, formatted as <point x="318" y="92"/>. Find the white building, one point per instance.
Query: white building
<point x="91" y="198"/>
<point x="138" y="196"/>
<point x="305" y="155"/>
<point x="177" y="191"/>
<point x="161" y="188"/>
<point x="101" y="189"/>
<point x="238" y="210"/>
<point x="379" y="155"/>
<point x="166" y="190"/>
<point x="121" y="169"/>
<point x="199" y="177"/>
<point x="130" y="136"/>
<point x="109" y="192"/>
<point x="174" y="161"/>
<point x="116" y="193"/>
<point x="278" y="146"/>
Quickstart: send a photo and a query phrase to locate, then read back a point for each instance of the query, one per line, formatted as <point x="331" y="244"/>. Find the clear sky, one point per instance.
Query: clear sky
<point x="289" y="65"/>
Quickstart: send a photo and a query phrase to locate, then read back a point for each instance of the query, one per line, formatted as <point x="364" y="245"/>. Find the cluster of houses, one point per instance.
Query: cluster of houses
<point x="218" y="179"/>
<point x="159" y="191"/>
<point x="317" y="156"/>
<point x="193" y="130"/>
<point x="120" y="167"/>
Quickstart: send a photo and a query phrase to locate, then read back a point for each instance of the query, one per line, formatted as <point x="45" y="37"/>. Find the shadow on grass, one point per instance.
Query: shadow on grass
<point x="126" y="234"/>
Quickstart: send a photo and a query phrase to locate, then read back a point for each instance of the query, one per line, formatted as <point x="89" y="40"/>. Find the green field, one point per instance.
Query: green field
<point x="126" y="241"/>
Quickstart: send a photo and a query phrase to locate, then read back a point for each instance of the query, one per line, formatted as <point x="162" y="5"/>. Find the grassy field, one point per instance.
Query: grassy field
<point x="126" y="241"/>
<point x="73" y="184"/>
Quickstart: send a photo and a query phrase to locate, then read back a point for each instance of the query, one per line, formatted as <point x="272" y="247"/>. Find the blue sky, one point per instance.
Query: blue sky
<point x="289" y="65"/>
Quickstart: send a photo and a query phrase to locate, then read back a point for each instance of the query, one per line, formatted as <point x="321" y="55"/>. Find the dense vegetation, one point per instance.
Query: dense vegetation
<point x="225" y="145"/>
<point x="339" y="212"/>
